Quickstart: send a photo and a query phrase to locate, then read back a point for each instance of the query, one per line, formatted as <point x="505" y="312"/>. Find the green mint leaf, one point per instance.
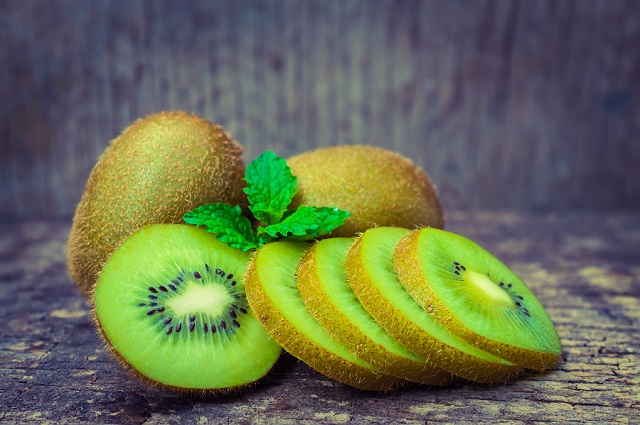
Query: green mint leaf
<point x="307" y="223"/>
<point x="329" y="218"/>
<point x="270" y="187"/>
<point x="228" y="223"/>
<point x="298" y="223"/>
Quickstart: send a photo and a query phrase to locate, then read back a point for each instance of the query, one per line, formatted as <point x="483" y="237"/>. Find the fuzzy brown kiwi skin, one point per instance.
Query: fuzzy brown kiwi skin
<point x="299" y="346"/>
<point x="415" y="338"/>
<point x="160" y="167"/>
<point x="409" y="268"/>
<point x="332" y="319"/>
<point x="377" y="186"/>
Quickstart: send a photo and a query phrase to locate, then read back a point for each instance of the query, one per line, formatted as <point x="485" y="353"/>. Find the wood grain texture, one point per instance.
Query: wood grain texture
<point x="525" y="105"/>
<point x="583" y="267"/>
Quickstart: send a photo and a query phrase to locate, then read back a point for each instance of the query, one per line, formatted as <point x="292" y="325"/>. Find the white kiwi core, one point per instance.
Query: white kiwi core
<point x="211" y="299"/>
<point x="482" y="283"/>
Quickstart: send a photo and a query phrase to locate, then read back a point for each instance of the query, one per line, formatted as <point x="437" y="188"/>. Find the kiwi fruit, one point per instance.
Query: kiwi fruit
<point x="377" y="186"/>
<point x="476" y="297"/>
<point x="272" y="292"/>
<point x="160" y="167"/>
<point x="371" y="274"/>
<point x="170" y="304"/>
<point x="322" y="282"/>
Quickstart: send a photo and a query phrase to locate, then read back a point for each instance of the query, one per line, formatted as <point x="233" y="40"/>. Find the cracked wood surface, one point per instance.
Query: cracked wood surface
<point x="585" y="268"/>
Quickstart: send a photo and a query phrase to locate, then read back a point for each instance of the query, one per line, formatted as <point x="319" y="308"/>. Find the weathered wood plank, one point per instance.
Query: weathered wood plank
<point x="585" y="268"/>
<point x="507" y="104"/>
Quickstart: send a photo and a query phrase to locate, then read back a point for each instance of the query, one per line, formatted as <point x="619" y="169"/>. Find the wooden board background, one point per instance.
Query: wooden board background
<point x="523" y="105"/>
<point x="584" y="268"/>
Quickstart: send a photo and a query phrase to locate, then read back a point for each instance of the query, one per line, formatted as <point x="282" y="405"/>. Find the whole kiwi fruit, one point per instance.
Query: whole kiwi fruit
<point x="160" y="167"/>
<point x="377" y="186"/>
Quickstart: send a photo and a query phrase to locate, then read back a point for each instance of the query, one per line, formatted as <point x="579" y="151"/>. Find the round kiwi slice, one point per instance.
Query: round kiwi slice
<point x="273" y="294"/>
<point x="160" y="167"/>
<point x="372" y="276"/>
<point x="322" y="282"/>
<point x="170" y="302"/>
<point x="475" y="296"/>
<point x="377" y="186"/>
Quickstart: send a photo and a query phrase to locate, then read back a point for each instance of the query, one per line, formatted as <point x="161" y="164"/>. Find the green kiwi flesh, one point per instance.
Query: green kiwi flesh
<point x="170" y="303"/>
<point x="372" y="276"/>
<point x="322" y="282"/>
<point x="477" y="297"/>
<point x="272" y="292"/>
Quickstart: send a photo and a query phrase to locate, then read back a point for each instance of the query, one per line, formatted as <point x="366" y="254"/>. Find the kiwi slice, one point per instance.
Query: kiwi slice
<point x="273" y="294"/>
<point x="475" y="296"/>
<point x="170" y="303"/>
<point x="322" y="282"/>
<point x="372" y="276"/>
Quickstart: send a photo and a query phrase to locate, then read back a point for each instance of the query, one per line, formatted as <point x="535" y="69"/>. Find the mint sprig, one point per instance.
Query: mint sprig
<point x="270" y="188"/>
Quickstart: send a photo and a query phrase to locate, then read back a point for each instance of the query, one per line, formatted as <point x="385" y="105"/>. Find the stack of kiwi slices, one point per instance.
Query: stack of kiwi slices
<point x="202" y="270"/>
<point x="395" y="305"/>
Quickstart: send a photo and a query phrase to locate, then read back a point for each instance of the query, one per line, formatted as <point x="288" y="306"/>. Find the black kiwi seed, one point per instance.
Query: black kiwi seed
<point x="179" y="327"/>
<point x="206" y="328"/>
<point x="223" y="324"/>
<point x="192" y="326"/>
<point x="166" y="322"/>
<point x="230" y="276"/>
<point x="192" y="318"/>
<point x="213" y="329"/>
<point x="220" y="272"/>
<point x="163" y="289"/>
<point x="236" y="324"/>
<point x="206" y="266"/>
<point x="173" y="288"/>
<point x="233" y="314"/>
<point x="197" y="275"/>
<point x="169" y="330"/>
<point x="152" y="289"/>
<point x="150" y="312"/>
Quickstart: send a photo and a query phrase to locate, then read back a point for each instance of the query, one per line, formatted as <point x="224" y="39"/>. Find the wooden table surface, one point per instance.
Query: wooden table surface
<point x="585" y="268"/>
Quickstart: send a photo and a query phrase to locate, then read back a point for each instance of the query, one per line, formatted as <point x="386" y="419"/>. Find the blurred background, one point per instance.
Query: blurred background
<point x="529" y="106"/>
